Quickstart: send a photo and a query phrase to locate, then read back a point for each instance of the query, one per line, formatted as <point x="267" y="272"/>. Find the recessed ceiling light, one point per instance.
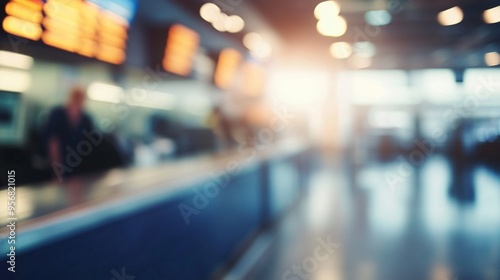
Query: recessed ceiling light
<point x="326" y="9"/>
<point x="210" y="12"/>
<point x="234" y="24"/>
<point x="451" y="16"/>
<point x="332" y="26"/>
<point x="220" y="22"/>
<point x="492" y="15"/>
<point x="492" y="59"/>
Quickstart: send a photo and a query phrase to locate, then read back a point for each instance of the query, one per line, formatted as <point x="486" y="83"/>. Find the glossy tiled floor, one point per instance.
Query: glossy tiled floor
<point x="390" y="222"/>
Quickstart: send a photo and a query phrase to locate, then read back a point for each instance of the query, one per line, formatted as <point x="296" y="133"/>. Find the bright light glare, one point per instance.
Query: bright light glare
<point x="15" y="60"/>
<point x="105" y="92"/>
<point x="377" y="87"/>
<point x="451" y="16"/>
<point x="301" y="89"/>
<point x="326" y="9"/>
<point x="378" y="18"/>
<point x="14" y="80"/>
<point x="332" y="26"/>
<point x="210" y="12"/>
<point x="492" y="59"/>
<point x="341" y="50"/>
<point x="492" y="15"/>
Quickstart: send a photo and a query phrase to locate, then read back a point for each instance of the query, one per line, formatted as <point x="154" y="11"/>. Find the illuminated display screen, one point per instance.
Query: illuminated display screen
<point x="180" y="50"/>
<point x="24" y="19"/>
<point x="89" y="28"/>
<point x="227" y="65"/>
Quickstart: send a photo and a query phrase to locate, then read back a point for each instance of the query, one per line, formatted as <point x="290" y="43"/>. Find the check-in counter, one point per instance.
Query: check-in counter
<point x="181" y="220"/>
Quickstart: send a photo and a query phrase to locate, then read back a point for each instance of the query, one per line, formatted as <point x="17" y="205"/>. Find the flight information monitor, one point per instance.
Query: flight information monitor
<point x="90" y="28"/>
<point x="227" y="67"/>
<point x="180" y="50"/>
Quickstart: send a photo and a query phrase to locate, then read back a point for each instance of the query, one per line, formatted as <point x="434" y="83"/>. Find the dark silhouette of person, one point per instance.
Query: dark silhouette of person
<point x="66" y="129"/>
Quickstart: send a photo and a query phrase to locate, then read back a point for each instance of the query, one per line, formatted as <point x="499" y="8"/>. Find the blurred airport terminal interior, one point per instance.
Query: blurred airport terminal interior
<point x="257" y="139"/>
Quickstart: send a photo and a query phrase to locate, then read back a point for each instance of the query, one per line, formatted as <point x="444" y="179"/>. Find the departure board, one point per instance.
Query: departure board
<point x="24" y="18"/>
<point x="227" y="67"/>
<point x="77" y="26"/>
<point x="180" y="50"/>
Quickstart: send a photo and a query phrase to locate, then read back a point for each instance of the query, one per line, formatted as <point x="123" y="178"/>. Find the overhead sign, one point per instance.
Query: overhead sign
<point x="85" y="27"/>
<point x="227" y="67"/>
<point x="180" y="50"/>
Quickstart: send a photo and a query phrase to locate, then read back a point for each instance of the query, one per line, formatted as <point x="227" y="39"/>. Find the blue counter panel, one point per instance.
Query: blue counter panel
<point x="157" y="243"/>
<point x="130" y="221"/>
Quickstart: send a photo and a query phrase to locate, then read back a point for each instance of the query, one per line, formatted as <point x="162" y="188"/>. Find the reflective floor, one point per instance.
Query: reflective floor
<point x="391" y="221"/>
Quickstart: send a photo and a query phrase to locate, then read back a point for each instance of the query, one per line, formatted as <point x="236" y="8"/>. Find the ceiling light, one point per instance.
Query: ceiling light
<point x="341" y="50"/>
<point x="257" y="45"/>
<point x="378" y="18"/>
<point x="234" y="24"/>
<point x="451" y="16"/>
<point x="326" y="9"/>
<point x="220" y="22"/>
<point x="492" y="59"/>
<point x="15" y="60"/>
<point x="492" y="15"/>
<point x="332" y="26"/>
<point x="209" y="12"/>
<point x="251" y="39"/>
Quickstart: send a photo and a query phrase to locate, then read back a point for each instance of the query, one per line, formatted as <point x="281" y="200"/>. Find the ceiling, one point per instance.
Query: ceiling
<point x="413" y="39"/>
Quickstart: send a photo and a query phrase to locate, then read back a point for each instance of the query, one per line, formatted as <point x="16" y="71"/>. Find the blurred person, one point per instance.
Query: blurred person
<point x="70" y="135"/>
